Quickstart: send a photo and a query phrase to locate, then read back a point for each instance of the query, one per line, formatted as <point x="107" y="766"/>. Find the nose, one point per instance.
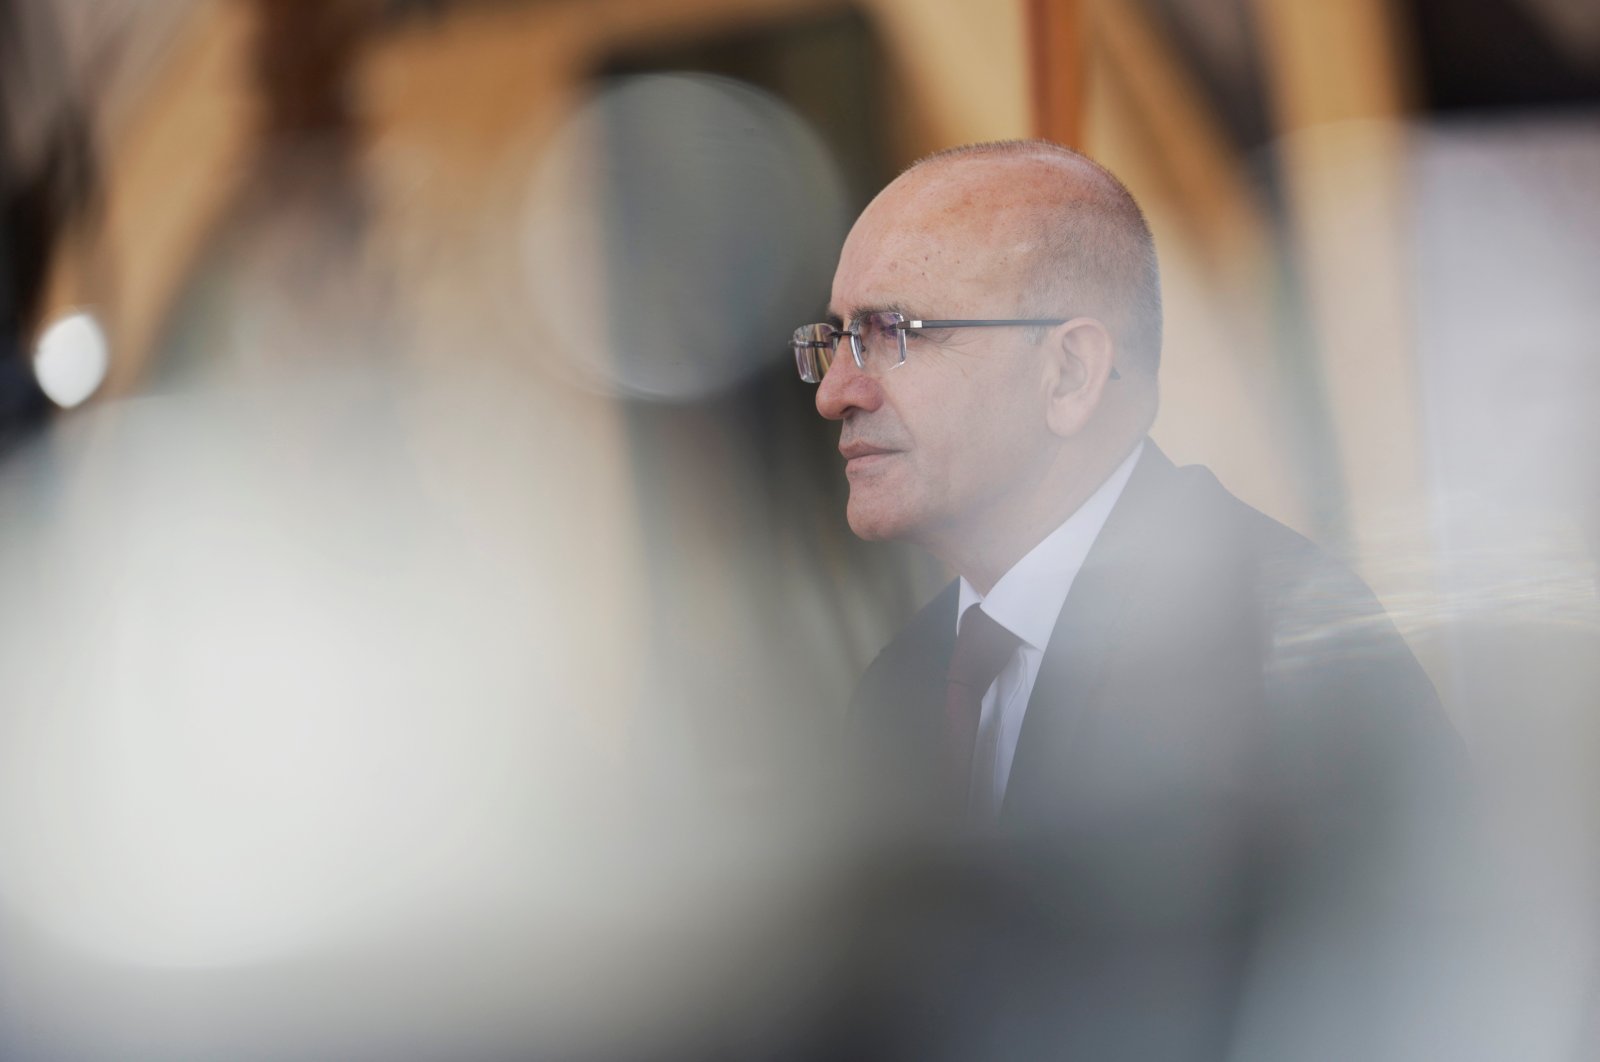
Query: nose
<point x="845" y="387"/>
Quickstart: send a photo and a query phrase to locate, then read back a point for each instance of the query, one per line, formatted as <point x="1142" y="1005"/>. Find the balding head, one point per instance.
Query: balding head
<point x="1073" y="238"/>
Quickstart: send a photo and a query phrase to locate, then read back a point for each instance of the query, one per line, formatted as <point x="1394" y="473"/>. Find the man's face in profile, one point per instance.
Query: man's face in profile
<point x="934" y="443"/>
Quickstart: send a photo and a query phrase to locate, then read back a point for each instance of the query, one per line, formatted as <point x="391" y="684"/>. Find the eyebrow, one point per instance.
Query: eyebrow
<point x="861" y="311"/>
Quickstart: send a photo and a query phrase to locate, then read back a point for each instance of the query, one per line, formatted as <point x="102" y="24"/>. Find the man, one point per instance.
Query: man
<point x="1221" y="782"/>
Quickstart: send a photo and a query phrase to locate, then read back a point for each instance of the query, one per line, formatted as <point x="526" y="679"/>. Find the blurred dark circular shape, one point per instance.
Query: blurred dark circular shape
<point x="679" y="227"/>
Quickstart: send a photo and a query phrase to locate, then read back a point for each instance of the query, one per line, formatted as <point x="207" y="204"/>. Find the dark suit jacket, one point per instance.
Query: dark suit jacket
<point x="1233" y="807"/>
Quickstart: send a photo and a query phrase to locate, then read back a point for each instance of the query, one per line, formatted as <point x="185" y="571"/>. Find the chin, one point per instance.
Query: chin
<point x="869" y="532"/>
<point x="871" y="523"/>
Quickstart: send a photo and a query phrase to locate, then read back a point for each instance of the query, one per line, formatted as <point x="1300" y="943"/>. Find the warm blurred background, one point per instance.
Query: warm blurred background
<point x="405" y="481"/>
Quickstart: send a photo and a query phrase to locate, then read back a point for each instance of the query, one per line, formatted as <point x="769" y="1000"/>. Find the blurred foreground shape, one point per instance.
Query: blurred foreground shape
<point x="428" y="639"/>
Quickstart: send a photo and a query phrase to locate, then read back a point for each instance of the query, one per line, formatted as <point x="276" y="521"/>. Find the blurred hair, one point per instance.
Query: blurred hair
<point x="1097" y="256"/>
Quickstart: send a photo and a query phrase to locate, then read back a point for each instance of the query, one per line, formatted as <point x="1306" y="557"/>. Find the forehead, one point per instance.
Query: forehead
<point x="957" y="238"/>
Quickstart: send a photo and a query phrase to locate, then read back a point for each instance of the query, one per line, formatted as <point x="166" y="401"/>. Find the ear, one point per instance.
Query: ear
<point x="1080" y="356"/>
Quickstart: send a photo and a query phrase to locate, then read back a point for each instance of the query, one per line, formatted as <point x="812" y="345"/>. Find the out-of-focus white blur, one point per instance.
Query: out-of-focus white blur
<point x="70" y="359"/>
<point x="216" y="767"/>
<point x="1507" y="264"/>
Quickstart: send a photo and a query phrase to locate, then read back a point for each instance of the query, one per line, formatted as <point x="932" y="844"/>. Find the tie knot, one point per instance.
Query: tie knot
<point x="982" y="649"/>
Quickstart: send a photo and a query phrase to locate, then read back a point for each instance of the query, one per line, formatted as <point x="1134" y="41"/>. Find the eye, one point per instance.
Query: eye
<point x="928" y="336"/>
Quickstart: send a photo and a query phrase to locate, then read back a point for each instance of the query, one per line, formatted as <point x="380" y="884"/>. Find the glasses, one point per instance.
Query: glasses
<point x="878" y="341"/>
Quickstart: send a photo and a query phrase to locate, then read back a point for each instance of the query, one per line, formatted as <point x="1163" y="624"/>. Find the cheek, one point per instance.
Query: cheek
<point x="997" y="437"/>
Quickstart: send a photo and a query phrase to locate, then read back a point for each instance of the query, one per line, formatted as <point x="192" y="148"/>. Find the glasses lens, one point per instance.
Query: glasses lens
<point x="882" y="342"/>
<point x="814" y="345"/>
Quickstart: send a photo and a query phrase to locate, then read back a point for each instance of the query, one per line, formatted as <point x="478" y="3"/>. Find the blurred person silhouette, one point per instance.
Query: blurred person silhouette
<point x="1193" y="796"/>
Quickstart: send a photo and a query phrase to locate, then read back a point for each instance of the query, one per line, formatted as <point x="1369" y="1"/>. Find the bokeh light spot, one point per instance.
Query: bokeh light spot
<point x="71" y="358"/>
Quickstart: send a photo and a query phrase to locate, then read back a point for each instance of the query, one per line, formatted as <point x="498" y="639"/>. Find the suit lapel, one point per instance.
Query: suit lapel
<point x="1092" y="621"/>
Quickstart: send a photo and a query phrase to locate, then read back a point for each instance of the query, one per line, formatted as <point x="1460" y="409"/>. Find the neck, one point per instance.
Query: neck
<point x="989" y="544"/>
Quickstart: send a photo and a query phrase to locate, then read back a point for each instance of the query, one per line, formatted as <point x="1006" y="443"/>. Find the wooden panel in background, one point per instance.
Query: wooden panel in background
<point x="1057" y="54"/>
<point x="1341" y="88"/>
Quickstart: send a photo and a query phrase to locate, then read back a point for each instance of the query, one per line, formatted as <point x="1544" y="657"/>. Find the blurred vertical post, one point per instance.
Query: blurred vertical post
<point x="304" y="57"/>
<point x="1223" y="397"/>
<point x="1057" y="52"/>
<point x="1340" y="89"/>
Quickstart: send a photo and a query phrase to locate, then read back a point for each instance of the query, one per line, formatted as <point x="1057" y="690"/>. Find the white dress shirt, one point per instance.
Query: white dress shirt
<point x="1027" y="601"/>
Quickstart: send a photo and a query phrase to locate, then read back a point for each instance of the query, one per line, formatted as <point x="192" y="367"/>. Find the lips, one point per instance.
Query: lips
<point x="855" y="450"/>
<point x="862" y="457"/>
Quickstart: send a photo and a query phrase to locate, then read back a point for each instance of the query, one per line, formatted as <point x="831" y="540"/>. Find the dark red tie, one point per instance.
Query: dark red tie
<point x="982" y="649"/>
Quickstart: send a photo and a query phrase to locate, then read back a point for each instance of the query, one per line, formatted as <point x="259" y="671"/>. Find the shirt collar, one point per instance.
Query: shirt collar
<point x="1028" y="598"/>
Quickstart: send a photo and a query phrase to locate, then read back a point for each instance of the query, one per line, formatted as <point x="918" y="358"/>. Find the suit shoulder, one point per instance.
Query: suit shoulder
<point x="1312" y="606"/>
<point x="1290" y="565"/>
